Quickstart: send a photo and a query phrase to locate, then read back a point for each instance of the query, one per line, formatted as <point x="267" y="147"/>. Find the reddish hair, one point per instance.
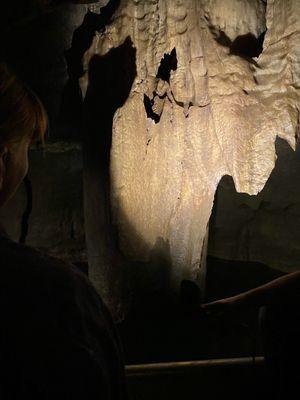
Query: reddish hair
<point x="22" y="114"/>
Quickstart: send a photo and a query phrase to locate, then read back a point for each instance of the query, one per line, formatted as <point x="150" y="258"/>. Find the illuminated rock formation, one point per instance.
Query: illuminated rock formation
<point x="207" y="101"/>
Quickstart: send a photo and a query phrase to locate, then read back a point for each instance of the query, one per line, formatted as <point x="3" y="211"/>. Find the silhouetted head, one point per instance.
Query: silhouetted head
<point x="23" y="120"/>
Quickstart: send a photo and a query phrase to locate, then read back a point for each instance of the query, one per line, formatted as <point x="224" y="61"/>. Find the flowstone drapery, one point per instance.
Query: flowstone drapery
<point x="207" y="100"/>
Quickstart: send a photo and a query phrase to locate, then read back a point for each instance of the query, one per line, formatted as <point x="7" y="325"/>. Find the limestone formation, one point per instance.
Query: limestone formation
<point x="204" y="103"/>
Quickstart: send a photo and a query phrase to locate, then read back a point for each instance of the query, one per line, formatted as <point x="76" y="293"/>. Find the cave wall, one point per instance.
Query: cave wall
<point x="212" y="86"/>
<point x="55" y="223"/>
<point x="34" y="38"/>
<point x="265" y="227"/>
<point x="216" y="82"/>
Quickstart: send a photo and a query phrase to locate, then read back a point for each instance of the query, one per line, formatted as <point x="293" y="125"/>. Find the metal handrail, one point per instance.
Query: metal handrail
<point x="171" y="367"/>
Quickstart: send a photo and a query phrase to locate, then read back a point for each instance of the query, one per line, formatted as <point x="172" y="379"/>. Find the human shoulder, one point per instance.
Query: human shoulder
<point x="19" y="262"/>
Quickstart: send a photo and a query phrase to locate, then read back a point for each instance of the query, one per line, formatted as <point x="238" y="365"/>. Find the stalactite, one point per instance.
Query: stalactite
<point x="218" y="111"/>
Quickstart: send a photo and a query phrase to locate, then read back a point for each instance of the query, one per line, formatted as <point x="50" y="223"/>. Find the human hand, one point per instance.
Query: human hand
<point x="220" y="307"/>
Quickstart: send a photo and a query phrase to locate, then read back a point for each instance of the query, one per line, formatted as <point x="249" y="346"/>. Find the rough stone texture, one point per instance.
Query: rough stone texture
<point x="217" y="113"/>
<point x="261" y="228"/>
<point x="33" y="41"/>
<point x="235" y="18"/>
<point x="34" y="37"/>
<point x="56" y="222"/>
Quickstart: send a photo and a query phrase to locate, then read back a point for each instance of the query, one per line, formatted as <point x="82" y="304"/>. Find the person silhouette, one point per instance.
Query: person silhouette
<point x="57" y="338"/>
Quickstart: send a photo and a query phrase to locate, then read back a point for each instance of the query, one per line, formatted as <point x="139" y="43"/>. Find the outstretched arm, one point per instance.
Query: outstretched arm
<point x="283" y="289"/>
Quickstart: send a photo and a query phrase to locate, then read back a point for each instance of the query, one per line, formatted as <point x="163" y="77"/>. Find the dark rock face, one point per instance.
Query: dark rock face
<point x="56" y="221"/>
<point x="265" y="227"/>
<point x="34" y="44"/>
<point x="35" y="36"/>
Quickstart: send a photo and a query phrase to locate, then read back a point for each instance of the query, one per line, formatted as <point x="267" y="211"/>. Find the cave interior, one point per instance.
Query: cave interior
<point x="250" y="230"/>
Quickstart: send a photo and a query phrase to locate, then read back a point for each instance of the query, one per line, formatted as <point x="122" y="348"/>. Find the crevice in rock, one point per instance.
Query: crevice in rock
<point x="148" y="103"/>
<point x="27" y="212"/>
<point x="72" y="231"/>
<point x="167" y="64"/>
<point x="83" y="37"/>
<point x="71" y="104"/>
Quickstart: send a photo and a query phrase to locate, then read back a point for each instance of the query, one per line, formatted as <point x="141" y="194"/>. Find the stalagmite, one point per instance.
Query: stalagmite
<point x="207" y="101"/>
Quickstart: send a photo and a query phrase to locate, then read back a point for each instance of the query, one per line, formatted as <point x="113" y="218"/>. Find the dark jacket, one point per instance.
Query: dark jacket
<point x="57" y="339"/>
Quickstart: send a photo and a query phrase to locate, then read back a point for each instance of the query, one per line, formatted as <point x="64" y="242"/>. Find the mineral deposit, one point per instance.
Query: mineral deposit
<point x="206" y="102"/>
